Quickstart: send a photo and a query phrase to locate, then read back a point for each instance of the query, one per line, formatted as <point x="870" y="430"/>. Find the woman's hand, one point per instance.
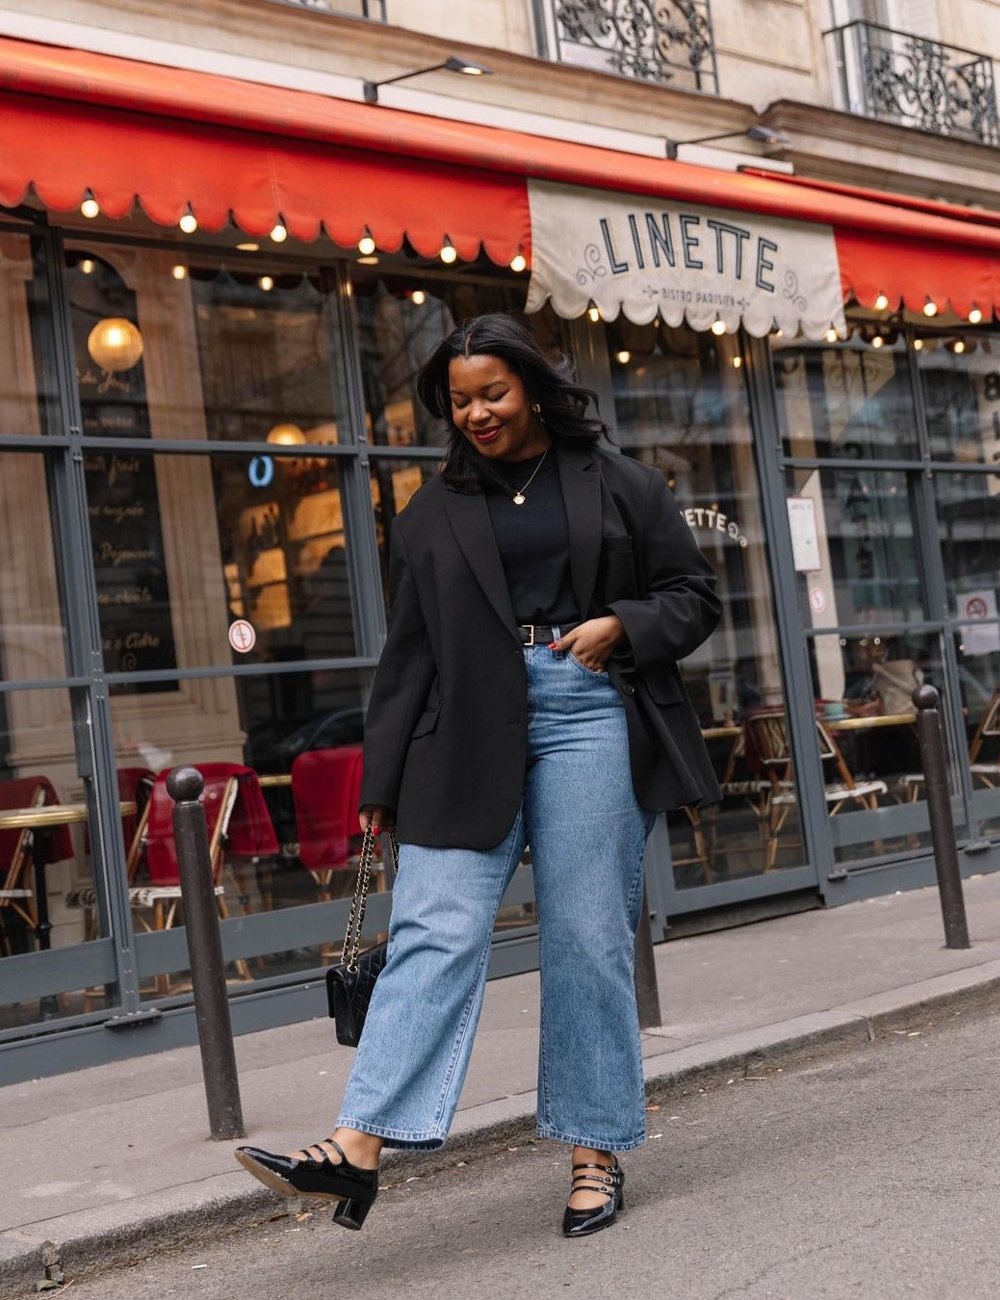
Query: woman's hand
<point x="594" y="641"/>
<point x="379" y="819"/>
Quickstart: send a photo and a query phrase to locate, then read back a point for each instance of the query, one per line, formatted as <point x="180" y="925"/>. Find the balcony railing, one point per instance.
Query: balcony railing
<point x="909" y="79"/>
<point x="669" y="42"/>
<point x="373" y="9"/>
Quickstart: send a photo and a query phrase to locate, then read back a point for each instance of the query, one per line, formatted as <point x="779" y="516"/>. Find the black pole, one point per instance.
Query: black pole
<point x="208" y="971"/>
<point x="932" y="757"/>
<point x="647" y="995"/>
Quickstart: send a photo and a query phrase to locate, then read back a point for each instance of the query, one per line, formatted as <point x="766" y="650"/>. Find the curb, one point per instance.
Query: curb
<point x="112" y="1236"/>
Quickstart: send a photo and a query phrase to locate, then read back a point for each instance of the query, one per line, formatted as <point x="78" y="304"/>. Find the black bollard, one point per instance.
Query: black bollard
<point x="647" y="995"/>
<point x="932" y="757"/>
<point x="208" y="971"/>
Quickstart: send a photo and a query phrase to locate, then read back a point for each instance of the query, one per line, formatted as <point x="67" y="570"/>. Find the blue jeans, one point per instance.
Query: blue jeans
<point x="587" y="834"/>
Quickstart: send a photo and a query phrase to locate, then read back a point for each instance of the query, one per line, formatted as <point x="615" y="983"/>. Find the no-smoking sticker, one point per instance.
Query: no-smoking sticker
<point x="242" y="636"/>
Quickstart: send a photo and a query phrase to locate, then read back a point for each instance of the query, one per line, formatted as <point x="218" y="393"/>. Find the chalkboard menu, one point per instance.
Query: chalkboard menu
<point x="123" y="503"/>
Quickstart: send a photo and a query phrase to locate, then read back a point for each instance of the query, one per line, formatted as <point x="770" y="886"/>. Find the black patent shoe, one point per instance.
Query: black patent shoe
<point x="318" y="1176"/>
<point x="611" y="1181"/>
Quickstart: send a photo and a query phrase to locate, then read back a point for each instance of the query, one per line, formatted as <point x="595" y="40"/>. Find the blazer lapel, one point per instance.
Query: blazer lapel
<point x="469" y="516"/>
<point x="581" y="488"/>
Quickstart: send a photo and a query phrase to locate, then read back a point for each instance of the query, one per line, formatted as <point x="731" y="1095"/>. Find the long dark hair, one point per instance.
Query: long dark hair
<point x="551" y="384"/>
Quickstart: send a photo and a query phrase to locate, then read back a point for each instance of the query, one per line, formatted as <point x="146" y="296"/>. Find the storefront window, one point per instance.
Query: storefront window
<point x="393" y="484"/>
<point x="968" y="513"/>
<point x="960" y="379"/>
<point x="186" y="546"/>
<point x="874" y="787"/>
<point x="401" y="320"/>
<point x="854" y="547"/>
<point x="851" y="400"/>
<point x="196" y="348"/>
<point x="681" y="405"/>
<point x="48" y="855"/>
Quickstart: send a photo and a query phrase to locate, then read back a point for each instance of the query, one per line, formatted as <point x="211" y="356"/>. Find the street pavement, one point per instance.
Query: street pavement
<point x="864" y="1170"/>
<point x="112" y="1163"/>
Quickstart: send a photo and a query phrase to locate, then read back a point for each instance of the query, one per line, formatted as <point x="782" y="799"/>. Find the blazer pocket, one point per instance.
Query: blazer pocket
<point x="427" y="721"/>
<point x="664" y="688"/>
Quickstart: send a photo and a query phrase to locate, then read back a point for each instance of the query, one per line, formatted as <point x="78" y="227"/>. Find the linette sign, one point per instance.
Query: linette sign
<point x="626" y="253"/>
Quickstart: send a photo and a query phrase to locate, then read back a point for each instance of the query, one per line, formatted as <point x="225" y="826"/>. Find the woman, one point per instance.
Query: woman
<point x="543" y="589"/>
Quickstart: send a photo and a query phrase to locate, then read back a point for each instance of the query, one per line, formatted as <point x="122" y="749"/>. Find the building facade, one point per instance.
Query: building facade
<point x="768" y="235"/>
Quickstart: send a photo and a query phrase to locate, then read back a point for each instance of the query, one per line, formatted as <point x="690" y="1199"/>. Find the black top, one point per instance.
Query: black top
<point x="533" y="540"/>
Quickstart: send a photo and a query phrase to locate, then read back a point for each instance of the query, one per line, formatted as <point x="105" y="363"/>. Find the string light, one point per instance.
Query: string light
<point x="88" y="266"/>
<point x="90" y="208"/>
<point x="179" y="272"/>
<point x="878" y="341"/>
<point x="248" y="248"/>
<point x="594" y="313"/>
<point x="718" y="326"/>
<point x="918" y="345"/>
<point x="448" y="253"/>
<point x="518" y="262"/>
<point x="958" y="346"/>
<point x="418" y="297"/>
<point x="831" y="335"/>
<point x="623" y="357"/>
<point x="975" y="316"/>
<point x="930" y="307"/>
<point x="279" y="233"/>
<point x="188" y="222"/>
<point x="881" y="302"/>
<point x="366" y="244"/>
<point x="266" y="282"/>
<point x="737" y="362"/>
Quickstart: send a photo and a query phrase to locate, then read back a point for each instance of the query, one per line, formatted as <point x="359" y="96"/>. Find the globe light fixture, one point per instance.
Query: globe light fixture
<point x="286" y="435"/>
<point x="115" y="344"/>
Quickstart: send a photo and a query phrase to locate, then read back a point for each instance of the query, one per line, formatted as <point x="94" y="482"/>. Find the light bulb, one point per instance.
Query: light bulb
<point x="624" y="356"/>
<point x="975" y="316"/>
<point x="448" y="253"/>
<point x="279" y="234"/>
<point x="594" y="313"/>
<point x="248" y="247"/>
<point x="518" y="262"/>
<point x="418" y="297"/>
<point x="918" y="345"/>
<point x="90" y="207"/>
<point x="188" y="222"/>
<point x="266" y="283"/>
<point x="930" y="308"/>
<point x="958" y="346"/>
<point x="878" y="341"/>
<point x="366" y="245"/>
<point x="832" y="335"/>
<point x="881" y="302"/>
<point x="88" y="266"/>
<point x="718" y="327"/>
<point x="737" y="362"/>
<point x="179" y="272"/>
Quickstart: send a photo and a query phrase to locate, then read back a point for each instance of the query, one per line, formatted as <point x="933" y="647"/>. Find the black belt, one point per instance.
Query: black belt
<point x="541" y="634"/>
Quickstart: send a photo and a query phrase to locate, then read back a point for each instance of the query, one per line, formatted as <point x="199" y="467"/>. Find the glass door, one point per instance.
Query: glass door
<point x="681" y="405"/>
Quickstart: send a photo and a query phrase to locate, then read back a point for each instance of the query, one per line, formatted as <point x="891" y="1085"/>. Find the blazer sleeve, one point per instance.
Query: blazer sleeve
<point x="680" y="609"/>
<point x="402" y="684"/>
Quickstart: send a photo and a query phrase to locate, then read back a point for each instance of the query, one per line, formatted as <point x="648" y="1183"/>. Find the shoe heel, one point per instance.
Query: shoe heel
<point x="352" y="1214"/>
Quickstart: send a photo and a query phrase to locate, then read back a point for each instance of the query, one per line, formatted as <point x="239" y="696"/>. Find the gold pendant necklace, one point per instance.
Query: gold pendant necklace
<point x="518" y="497"/>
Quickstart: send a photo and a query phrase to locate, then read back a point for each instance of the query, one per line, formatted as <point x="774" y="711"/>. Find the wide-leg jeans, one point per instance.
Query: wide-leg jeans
<point x="587" y="834"/>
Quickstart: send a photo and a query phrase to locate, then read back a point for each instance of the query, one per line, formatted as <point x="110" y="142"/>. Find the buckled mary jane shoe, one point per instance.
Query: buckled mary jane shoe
<point x="318" y="1176"/>
<point x="610" y="1180"/>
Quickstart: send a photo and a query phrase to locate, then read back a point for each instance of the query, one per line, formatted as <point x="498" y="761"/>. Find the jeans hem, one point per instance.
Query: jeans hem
<point x="395" y="1138"/>
<point x="598" y="1143"/>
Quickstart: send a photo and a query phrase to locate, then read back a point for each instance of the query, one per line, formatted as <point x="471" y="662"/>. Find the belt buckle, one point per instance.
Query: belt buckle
<point x="532" y="627"/>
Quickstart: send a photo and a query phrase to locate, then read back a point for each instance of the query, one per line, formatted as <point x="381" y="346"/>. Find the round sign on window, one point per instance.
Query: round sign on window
<point x="242" y="636"/>
<point x="817" y="600"/>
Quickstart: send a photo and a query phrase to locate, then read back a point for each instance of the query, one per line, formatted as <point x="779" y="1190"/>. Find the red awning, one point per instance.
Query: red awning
<point x="134" y="132"/>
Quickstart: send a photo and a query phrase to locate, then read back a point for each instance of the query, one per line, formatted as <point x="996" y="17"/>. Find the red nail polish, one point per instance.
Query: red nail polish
<point x="553" y="645"/>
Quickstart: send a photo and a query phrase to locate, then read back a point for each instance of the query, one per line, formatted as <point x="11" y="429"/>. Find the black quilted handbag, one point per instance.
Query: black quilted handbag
<point x="349" y="986"/>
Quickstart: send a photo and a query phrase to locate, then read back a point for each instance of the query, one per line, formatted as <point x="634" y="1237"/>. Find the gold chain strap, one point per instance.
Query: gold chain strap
<point x="356" y="919"/>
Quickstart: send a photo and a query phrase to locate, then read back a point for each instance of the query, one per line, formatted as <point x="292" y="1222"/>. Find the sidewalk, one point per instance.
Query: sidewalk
<point x="108" y="1160"/>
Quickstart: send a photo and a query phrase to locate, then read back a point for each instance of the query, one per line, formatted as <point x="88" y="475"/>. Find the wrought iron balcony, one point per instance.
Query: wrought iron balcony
<point x="373" y="9"/>
<point x="917" y="82"/>
<point x="669" y="42"/>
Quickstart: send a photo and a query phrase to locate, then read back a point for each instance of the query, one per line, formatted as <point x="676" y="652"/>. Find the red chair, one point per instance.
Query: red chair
<point x="237" y="821"/>
<point x="326" y="789"/>
<point x="16" y="848"/>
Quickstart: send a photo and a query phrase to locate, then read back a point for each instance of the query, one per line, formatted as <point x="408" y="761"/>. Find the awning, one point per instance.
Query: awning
<point x="131" y="132"/>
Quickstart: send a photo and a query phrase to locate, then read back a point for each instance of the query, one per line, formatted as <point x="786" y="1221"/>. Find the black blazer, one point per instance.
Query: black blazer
<point x="446" y="734"/>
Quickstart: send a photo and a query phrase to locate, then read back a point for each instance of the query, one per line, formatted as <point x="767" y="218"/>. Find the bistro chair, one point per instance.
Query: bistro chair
<point x="236" y="820"/>
<point x="767" y="732"/>
<point x="16" y="861"/>
<point x="985" y="771"/>
<point x="326" y="789"/>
